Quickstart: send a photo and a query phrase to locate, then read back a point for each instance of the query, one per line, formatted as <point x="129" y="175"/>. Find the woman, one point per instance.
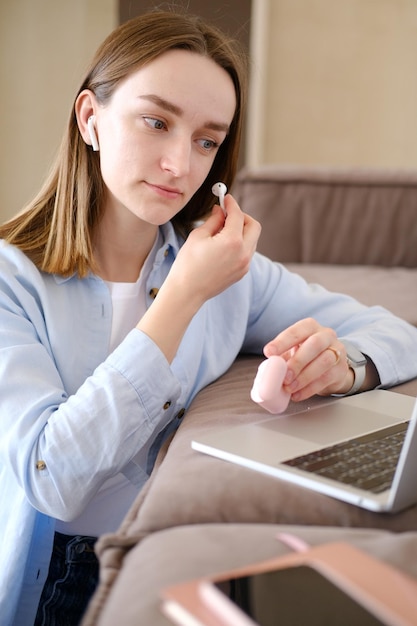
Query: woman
<point x="116" y="309"/>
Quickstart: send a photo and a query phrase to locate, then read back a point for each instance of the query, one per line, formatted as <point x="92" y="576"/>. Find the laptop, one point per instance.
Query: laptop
<point x="361" y="449"/>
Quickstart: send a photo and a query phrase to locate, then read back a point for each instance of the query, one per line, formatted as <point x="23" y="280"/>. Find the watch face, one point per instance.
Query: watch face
<point x="355" y="356"/>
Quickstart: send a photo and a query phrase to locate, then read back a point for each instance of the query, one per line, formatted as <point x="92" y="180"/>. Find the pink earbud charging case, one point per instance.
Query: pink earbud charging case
<point x="267" y="387"/>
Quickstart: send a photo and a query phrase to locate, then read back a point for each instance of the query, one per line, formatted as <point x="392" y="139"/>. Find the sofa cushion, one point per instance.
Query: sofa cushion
<point x="394" y="288"/>
<point x="176" y="555"/>
<point x="191" y="488"/>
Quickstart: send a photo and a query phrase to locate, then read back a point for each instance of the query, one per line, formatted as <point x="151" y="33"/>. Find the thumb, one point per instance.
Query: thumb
<point x="215" y="222"/>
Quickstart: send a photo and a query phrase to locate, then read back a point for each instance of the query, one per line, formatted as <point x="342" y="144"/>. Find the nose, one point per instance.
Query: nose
<point x="176" y="158"/>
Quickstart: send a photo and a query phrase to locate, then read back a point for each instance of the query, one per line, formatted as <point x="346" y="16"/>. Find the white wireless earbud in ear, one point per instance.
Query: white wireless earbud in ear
<point x="220" y="190"/>
<point x="92" y="133"/>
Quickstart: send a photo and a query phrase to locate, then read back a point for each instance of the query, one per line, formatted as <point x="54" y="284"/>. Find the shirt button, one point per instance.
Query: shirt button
<point x="167" y="405"/>
<point x="166" y="252"/>
<point x="40" y="465"/>
<point x="80" y="548"/>
<point x="153" y="292"/>
<point x="180" y="413"/>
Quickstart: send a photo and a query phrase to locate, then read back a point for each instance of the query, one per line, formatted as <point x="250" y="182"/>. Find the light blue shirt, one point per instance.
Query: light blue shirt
<point x="72" y="415"/>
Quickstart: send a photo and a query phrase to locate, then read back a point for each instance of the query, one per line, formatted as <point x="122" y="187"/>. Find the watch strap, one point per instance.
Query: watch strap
<point x="357" y="363"/>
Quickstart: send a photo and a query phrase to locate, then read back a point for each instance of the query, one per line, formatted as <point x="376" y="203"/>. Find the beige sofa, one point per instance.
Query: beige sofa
<point x="352" y="231"/>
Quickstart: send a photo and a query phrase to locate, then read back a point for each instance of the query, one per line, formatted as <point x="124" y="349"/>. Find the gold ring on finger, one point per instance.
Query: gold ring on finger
<point x="336" y="352"/>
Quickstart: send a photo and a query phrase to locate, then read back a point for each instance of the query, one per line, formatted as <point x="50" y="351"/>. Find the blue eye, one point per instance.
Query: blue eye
<point x="155" y="123"/>
<point x="208" y="144"/>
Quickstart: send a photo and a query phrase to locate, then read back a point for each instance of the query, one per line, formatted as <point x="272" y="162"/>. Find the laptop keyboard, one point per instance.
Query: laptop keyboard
<point x="367" y="462"/>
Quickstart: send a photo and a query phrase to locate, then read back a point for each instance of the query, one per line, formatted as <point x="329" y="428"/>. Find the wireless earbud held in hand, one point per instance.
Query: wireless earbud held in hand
<point x="267" y="388"/>
<point x="220" y="190"/>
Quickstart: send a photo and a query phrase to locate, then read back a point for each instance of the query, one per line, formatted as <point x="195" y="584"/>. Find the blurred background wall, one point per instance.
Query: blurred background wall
<point x="44" y="47"/>
<point x="332" y="82"/>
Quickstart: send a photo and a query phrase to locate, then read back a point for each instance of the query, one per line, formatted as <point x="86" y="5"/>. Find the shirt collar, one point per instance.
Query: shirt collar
<point x="171" y="241"/>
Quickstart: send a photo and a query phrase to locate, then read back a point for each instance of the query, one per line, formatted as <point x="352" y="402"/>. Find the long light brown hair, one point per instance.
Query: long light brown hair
<point x="56" y="229"/>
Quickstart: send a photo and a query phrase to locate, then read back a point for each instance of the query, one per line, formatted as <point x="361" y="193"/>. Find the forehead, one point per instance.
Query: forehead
<point x="186" y="79"/>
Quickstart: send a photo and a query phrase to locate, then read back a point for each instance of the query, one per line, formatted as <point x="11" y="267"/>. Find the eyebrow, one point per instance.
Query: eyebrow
<point x="176" y="110"/>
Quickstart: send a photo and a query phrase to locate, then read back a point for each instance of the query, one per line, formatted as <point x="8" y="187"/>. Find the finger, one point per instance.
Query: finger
<point x="235" y="218"/>
<point x="291" y="337"/>
<point x="326" y="371"/>
<point x="214" y="223"/>
<point x="313" y="348"/>
<point x="240" y="225"/>
<point x="251" y="233"/>
<point x="323" y="385"/>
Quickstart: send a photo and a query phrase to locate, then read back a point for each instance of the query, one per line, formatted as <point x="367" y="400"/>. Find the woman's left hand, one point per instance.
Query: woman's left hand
<point x="316" y="360"/>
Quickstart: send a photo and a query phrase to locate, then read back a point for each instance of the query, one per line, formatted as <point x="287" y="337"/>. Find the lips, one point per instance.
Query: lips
<point x="165" y="191"/>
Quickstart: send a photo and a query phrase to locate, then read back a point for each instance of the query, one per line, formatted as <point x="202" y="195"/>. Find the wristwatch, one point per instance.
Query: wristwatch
<point x="357" y="362"/>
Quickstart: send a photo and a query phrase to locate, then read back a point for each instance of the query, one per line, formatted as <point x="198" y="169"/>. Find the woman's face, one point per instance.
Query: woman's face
<point x="160" y="133"/>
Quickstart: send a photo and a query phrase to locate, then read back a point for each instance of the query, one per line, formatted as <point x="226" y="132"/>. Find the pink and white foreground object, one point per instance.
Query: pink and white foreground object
<point x="267" y="388"/>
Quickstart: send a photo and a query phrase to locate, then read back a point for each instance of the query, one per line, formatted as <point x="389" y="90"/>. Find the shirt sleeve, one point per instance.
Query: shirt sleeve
<point x="62" y="446"/>
<point x="281" y="298"/>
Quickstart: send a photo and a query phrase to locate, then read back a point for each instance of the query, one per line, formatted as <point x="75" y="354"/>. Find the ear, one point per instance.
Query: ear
<point x="85" y="107"/>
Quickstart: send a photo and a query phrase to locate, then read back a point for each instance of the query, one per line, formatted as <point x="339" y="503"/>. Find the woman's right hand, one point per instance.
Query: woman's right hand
<point x="215" y="256"/>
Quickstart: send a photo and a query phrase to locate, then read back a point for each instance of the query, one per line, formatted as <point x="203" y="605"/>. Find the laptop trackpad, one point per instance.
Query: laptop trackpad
<point x="328" y="424"/>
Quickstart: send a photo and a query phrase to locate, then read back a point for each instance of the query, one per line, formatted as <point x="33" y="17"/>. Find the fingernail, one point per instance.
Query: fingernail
<point x="289" y="377"/>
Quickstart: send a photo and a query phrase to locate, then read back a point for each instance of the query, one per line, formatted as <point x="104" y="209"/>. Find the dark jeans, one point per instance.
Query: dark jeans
<point x="72" y="579"/>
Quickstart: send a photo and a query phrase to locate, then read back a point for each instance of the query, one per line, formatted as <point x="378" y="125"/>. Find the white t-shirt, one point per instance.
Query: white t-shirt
<point x="107" y="509"/>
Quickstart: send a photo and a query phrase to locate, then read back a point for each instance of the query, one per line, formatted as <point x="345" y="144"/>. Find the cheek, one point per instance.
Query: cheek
<point x="111" y="171"/>
<point x="200" y="170"/>
<point x="120" y="162"/>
